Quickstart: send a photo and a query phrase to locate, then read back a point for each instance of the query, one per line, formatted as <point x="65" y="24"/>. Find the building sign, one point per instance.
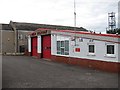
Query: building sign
<point x="41" y="32"/>
<point x="77" y="49"/>
<point x="34" y="34"/>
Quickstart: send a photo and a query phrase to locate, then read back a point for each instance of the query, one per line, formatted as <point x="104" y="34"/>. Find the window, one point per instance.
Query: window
<point x="91" y="49"/>
<point x="63" y="47"/>
<point x="62" y="51"/>
<point x="26" y="36"/>
<point x="58" y="47"/>
<point x="110" y="49"/>
<point x="20" y="36"/>
<point x="62" y="43"/>
<point x="66" y="47"/>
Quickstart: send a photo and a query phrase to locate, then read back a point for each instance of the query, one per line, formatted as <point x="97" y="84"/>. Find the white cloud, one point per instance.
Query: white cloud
<point x="91" y="14"/>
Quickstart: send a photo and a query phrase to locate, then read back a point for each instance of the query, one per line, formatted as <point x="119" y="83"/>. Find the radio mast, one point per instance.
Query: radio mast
<point x="111" y="21"/>
<point x="75" y="20"/>
<point x="74" y="15"/>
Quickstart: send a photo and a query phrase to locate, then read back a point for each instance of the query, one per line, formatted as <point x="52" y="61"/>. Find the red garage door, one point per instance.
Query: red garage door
<point x="46" y="44"/>
<point x="34" y="46"/>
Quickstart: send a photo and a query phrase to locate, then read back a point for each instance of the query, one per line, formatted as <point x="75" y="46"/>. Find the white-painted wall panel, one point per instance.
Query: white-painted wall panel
<point x="100" y="49"/>
<point x="92" y="36"/>
<point x="53" y="44"/>
<point x="39" y="44"/>
<point x="29" y="44"/>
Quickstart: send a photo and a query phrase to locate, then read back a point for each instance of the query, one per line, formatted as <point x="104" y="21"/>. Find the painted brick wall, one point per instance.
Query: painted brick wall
<point x="119" y="14"/>
<point x="100" y="49"/>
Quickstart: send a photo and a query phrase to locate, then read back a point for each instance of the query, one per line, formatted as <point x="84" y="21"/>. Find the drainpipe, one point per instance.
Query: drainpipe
<point x="15" y="35"/>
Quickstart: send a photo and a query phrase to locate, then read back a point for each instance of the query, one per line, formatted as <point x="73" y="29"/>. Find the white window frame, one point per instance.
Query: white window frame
<point x="111" y="55"/>
<point x="90" y="53"/>
<point x="63" y="48"/>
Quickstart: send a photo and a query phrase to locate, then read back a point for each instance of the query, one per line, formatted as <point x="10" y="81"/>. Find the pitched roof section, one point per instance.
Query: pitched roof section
<point x="33" y="26"/>
<point x="5" y="27"/>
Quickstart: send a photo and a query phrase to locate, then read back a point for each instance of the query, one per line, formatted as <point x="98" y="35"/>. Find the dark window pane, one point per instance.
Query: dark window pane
<point x="58" y="45"/>
<point x="62" y="51"/>
<point x="66" y="45"/>
<point x="110" y="49"/>
<point x="66" y="53"/>
<point x="62" y="43"/>
<point x="58" y="52"/>
<point x="91" y="48"/>
<point x="22" y="48"/>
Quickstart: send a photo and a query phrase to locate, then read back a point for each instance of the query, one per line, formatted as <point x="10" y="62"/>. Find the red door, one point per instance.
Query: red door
<point x="46" y="51"/>
<point x="34" y="46"/>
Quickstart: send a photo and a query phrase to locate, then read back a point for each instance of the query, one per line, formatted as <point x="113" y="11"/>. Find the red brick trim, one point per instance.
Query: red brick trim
<point x="28" y="53"/>
<point x="95" y="64"/>
<point x="78" y="32"/>
<point x="39" y="55"/>
<point x="92" y="38"/>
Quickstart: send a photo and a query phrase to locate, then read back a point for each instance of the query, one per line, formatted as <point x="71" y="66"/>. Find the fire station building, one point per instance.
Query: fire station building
<point x="86" y="49"/>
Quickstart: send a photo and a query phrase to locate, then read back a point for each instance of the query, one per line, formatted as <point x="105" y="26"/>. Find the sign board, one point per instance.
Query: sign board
<point x="77" y="49"/>
<point x="41" y="32"/>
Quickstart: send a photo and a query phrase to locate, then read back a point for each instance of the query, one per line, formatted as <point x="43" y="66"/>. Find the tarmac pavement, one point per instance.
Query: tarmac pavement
<point x="29" y="72"/>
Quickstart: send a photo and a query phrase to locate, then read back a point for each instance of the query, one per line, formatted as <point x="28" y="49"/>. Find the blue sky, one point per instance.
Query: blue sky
<point x="91" y="14"/>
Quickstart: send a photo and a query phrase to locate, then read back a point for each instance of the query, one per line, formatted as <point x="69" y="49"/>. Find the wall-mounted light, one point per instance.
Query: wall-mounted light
<point x="80" y="39"/>
<point x="53" y="35"/>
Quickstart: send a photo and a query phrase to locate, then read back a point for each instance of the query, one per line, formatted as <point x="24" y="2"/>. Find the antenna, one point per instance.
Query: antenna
<point x="74" y="15"/>
<point x="75" y="20"/>
<point x="15" y="35"/>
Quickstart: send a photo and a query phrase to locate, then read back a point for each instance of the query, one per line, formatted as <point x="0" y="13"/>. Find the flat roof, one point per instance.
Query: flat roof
<point x="82" y="32"/>
<point x="90" y="33"/>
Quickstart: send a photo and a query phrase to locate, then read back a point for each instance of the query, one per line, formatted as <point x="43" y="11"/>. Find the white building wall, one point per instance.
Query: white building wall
<point x="39" y="44"/>
<point x="1" y="39"/>
<point x="119" y="51"/>
<point x="53" y="44"/>
<point x="92" y="36"/>
<point x="119" y="14"/>
<point x="100" y="49"/>
<point x="29" y="44"/>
